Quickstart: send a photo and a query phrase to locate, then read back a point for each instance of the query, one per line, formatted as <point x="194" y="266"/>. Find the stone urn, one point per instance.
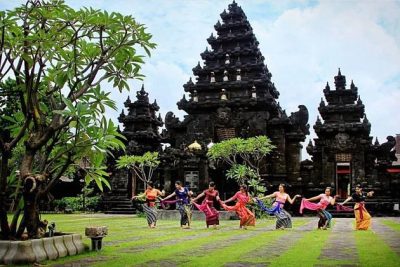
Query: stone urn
<point x="96" y="234"/>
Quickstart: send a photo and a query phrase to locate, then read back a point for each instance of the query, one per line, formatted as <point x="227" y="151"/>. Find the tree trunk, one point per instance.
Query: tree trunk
<point x="30" y="191"/>
<point x="5" y="229"/>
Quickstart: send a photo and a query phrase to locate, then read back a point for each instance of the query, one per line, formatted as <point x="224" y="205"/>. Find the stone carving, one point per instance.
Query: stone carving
<point x="300" y="119"/>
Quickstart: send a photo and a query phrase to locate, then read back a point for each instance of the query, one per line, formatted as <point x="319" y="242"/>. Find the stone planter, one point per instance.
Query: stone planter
<point x="37" y="250"/>
<point x="96" y="233"/>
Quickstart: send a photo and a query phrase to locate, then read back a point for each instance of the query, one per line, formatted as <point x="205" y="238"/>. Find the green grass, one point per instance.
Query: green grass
<point x="373" y="251"/>
<point x="392" y="224"/>
<point x="131" y="243"/>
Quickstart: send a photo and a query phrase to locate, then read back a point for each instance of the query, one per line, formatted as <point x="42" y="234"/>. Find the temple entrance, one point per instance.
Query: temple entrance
<point x="343" y="179"/>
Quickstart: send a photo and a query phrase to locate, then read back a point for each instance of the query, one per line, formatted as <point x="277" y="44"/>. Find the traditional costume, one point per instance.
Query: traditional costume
<point x="207" y="206"/>
<point x="363" y="218"/>
<point x="283" y="218"/>
<point x="247" y="218"/>
<point x="324" y="216"/>
<point x="184" y="206"/>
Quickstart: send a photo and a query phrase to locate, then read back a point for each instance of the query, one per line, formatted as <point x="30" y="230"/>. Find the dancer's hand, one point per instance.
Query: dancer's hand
<point x="134" y="197"/>
<point x="299" y="196"/>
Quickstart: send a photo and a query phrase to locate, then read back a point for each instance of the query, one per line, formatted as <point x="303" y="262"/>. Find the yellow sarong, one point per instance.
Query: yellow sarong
<point x="363" y="218"/>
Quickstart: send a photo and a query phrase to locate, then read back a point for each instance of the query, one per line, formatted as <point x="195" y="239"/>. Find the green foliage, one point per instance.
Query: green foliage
<point x="142" y="166"/>
<point x="244" y="156"/>
<point x="55" y="59"/>
<point x="78" y="203"/>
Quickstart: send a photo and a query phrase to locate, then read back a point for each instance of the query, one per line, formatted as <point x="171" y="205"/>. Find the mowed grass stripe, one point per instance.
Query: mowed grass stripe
<point x="305" y="251"/>
<point x="236" y="251"/>
<point x="176" y="247"/>
<point x="392" y="224"/>
<point x="373" y="250"/>
<point x="148" y="236"/>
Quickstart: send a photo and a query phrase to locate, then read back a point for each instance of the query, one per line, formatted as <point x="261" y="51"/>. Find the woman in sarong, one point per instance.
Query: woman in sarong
<point x="149" y="207"/>
<point x="363" y="218"/>
<point x="242" y="198"/>
<point x="284" y="220"/>
<point x="207" y="206"/>
<point x="324" y="200"/>
<point x="182" y="196"/>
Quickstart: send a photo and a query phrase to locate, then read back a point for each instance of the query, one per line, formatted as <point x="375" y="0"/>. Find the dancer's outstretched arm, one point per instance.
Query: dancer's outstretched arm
<point x="268" y="196"/>
<point x="291" y="200"/>
<point x="314" y="198"/>
<point x="347" y="200"/>
<point x="169" y="196"/>
<point x="230" y="199"/>
<point x="199" y="196"/>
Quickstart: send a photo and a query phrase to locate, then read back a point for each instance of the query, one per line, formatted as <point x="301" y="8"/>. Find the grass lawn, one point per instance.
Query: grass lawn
<point x="131" y="243"/>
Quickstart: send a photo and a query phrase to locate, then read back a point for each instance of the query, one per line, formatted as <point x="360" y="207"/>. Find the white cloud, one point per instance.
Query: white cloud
<point x="304" y="43"/>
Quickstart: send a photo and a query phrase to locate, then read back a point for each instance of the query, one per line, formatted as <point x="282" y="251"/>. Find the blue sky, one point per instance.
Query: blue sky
<point x="304" y="43"/>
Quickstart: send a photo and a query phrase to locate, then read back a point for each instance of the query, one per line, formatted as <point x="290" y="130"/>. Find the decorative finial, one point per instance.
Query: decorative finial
<point x="352" y="86"/>
<point x="376" y="142"/>
<point x="359" y="102"/>
<point x="339" y="73"/>
<point x="327" y="87"/>
<point x="322" y="103"/>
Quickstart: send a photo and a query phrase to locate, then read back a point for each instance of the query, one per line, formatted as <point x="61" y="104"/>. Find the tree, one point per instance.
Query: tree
<point x="58" y="58"/>
<point x="244" y="156"/>
<point x="142" y="167"/>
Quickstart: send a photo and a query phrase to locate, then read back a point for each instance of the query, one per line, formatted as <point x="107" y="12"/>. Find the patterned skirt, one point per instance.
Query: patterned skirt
<point x="325" y="219"/>
<point x="185" y="211"/>
<point x="151" y="214"/>
<point x="283" y="219"/>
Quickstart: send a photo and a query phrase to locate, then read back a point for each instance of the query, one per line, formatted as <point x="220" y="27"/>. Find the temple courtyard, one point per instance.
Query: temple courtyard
<point x="131" y="243"/>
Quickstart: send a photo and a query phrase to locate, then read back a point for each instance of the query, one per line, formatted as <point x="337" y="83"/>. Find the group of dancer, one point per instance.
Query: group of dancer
<point x="184" y="204"/>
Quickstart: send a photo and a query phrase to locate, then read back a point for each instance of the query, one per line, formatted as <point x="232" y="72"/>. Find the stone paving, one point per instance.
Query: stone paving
<point x="341" y="244"/>
<point x="390" y="236"/>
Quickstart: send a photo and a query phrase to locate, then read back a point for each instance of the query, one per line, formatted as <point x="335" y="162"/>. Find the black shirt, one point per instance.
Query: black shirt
<point x="359" y="198"/>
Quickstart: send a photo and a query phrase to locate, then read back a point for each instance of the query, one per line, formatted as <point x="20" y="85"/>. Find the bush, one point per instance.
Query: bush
<point x="77" y="203"/>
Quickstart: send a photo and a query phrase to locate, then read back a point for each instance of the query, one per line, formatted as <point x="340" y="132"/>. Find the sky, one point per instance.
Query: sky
<point x="303" y="42"/>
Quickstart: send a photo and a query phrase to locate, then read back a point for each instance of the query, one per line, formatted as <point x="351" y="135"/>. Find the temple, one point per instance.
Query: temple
<point x="343" y="154"/>
<point x="232" y="95"/>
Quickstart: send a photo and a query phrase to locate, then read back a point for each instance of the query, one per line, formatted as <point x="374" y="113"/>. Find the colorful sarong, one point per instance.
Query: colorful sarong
<point x="247" y="218"/>
<point x="185" y="210"/>
<point x="325" y="217"/>
<point x="212" y="215"/>
<point x="283" y="218"/>
<point x="363" y="218"/>
<point x="151" y="214"/>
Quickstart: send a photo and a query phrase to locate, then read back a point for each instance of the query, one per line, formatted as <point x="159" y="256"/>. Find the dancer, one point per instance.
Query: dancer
<point x="247" y="218"/>
<point x="182" y="195"/>
<point x="149" y="207"/>
<point x="284" y="220"/>
<point x="207" y="206"/>
<point x="324" y="200"/>
<point x="363" y="218"/>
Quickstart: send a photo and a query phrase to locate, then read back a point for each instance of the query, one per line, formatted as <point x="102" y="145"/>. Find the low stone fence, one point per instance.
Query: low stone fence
<point x="197" y="215"/>
<point x="37" y="250"/>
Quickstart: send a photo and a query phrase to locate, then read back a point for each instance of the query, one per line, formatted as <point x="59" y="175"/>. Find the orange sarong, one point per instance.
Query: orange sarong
<point x="247" y="218"/>
<point x="363" y="218"/>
